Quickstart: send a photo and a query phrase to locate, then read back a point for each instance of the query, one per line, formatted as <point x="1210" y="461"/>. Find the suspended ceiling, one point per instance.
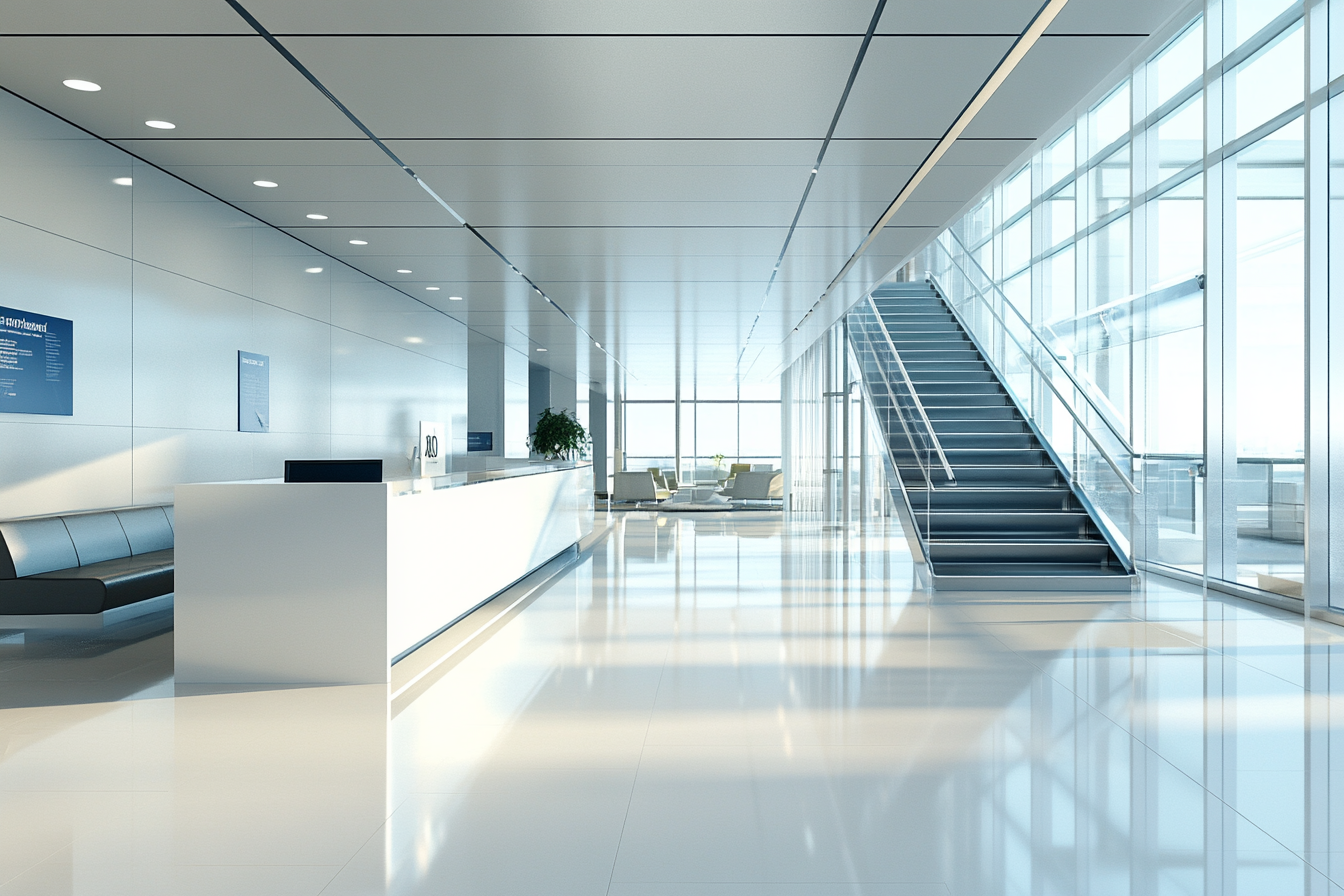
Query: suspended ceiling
<point x="641" y="164"/>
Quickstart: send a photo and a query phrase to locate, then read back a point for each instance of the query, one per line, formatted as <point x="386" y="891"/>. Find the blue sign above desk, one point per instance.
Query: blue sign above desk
<point x="36" y="364"/>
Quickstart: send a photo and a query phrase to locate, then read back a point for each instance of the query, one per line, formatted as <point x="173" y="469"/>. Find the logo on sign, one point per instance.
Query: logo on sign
<point x="431" y="446"/>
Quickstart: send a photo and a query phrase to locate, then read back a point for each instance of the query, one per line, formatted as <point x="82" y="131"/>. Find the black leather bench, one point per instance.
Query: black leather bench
<point x="85" y="562"/>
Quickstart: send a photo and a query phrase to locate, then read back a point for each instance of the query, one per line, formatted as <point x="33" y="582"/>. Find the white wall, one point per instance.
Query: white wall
<point x="165" y="285"/>
<point x="485" y="390"/>
<point x="516" y="429"/>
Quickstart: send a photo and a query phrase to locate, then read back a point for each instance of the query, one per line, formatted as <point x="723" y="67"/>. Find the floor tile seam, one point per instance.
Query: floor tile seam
<point x="380" y="827"/>
<point x="1218" y="651"/>
<point x="1177" y="769"/>
<point x="634" y="781"/>
<point x="18" y="874"/>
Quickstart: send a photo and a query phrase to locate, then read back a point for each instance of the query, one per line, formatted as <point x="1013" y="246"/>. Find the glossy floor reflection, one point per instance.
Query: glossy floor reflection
<point x="708" y="706"/>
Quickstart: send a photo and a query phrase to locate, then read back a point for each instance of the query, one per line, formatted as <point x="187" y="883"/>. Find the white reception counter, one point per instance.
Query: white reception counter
<point x="331" y="583"/>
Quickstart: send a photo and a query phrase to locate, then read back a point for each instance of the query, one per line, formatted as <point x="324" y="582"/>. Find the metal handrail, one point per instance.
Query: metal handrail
<point x="900" y="416"/>
<point x="1087" y="431"/>
<point x="1039" y="338"/>
<point x="919" y="405"/>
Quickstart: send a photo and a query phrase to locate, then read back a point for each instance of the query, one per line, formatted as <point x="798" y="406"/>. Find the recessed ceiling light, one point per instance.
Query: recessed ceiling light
<point x="161" y="125"/>
<point x="414" y="340"/>
<point x="317" y="217"/>
<point x="454" y="298"/>
<point x="541" y="349"/>
<point x="86" y="86"/>
<point x="814" y="171"/>
<point x="598" y="344"/>
<point x="432" y="288"/>
<point x="312" y="270"/>
<point x="359" y="242"/>
<point x="264" y="183"/>
<point x="405" y="271"/>
<point x="122" y="181"/>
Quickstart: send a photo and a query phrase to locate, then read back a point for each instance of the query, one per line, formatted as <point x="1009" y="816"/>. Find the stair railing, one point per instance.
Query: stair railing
<point x="918" y="429"/>
<point x="1013" y="347"/>
<point x="934" y="443"/>
<point x="866" y="359"/>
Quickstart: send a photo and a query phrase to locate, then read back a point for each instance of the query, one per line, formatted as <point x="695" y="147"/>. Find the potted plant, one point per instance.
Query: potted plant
<point x="558" y="436"/>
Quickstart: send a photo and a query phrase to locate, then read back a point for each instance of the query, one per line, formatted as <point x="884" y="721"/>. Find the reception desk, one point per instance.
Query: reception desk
<point x="331" y="583"/>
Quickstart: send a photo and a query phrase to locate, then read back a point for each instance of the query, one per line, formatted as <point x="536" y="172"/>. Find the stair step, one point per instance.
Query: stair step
<point x="984" y="375"/>
<point x="1006" y="524"/>
<point x="980" y="457"/>
<point x="987" y="476"/>
<point x="1043" y="550"/>
<point x="981" y="426"/>
<point x="972" y="498"/>
<point x="999" y="440"/>
<point x="963" y="399"/>
<point x="939" y="413"/>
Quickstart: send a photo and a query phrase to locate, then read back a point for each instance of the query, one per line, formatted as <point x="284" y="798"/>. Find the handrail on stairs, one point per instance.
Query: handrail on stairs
<point x="914" y="395"/>
<point x="1111" y="462"/>
<point x="1083" y="391"/>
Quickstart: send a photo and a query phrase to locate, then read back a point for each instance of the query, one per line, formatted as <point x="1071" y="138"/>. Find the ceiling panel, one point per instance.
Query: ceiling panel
<point x="957" y="16"/>
<point x="586" y="87"/>
<point x="942" y="73"/>
<point x="1141" y="17"/>
<point x="523" y="241"/>
<point x="207" y="86"/>
<point x="679" y="151"/>
<point x="123" y="17"/>
<point x="1030" y="100"/>
<point x="572" y="17"/>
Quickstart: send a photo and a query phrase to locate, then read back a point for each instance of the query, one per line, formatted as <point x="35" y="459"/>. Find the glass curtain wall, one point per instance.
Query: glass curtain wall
<point x="1160" y="238"/>
<point x="741" y="423"/>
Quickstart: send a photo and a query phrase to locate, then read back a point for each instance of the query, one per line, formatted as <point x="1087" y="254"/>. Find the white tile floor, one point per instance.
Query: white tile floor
<point x="714" y="706"/>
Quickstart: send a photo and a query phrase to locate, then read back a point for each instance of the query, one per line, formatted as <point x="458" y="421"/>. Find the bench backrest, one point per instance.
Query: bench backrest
<point x="47" y="544"/>
<point x="758" y="486"/>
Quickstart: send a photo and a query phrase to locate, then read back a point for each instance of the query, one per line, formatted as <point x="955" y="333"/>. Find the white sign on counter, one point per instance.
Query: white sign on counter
<point x="433" y="449"/>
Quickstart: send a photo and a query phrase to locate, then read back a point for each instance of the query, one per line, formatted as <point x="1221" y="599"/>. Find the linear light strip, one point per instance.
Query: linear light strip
<point x="322" y="88"/>
<point x="1035" y="28"/>
<point x="812" y="178"/>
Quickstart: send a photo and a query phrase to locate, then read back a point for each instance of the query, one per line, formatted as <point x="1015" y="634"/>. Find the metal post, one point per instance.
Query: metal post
<point x="844" y="423"/>
<point x="618" y="437"/>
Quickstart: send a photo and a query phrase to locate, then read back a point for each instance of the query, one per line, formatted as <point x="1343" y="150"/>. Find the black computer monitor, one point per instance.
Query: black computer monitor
<point x="334" y="470"/>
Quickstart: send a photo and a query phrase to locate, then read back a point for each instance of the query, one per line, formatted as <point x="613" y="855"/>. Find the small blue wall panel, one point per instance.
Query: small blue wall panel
<point x="480" y="441"/>
<point x="254" y="392"/>
<point x="36" y="364"/>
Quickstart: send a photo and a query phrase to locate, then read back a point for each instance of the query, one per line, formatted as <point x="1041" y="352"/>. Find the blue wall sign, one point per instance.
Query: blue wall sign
<point x="480" y="441"/>
<point x="36" y="364"/>
<point x="254" y="392"/>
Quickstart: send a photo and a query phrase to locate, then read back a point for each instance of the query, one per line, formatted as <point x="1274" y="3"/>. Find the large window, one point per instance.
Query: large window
<point x="741" y="423"/>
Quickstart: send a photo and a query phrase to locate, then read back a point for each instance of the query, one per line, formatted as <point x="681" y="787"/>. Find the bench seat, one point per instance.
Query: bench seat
<point x="86" y="563"/>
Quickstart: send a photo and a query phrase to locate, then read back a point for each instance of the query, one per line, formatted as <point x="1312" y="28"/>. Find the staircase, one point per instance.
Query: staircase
<point x="1011" y="520"/>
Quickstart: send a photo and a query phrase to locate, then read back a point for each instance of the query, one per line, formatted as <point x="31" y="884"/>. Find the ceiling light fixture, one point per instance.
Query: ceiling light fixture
<point x="432" y="288"/>
<point x="598" y="344"/>
<point x="454" y="298"/>
<point x="312" y="270"/>
<point x="414" y="340"/>
<point x="122" y="181"/>
<point x="359" y="242"/>
<point x="317" y="217"/>
<point x="264" y="183"/>
<point x="814" y="171"/>
<point x="541" y="349"/>
<point x="86" y="86"/>
<point x="161" y="125"/>
<point x="405" y="271"/>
